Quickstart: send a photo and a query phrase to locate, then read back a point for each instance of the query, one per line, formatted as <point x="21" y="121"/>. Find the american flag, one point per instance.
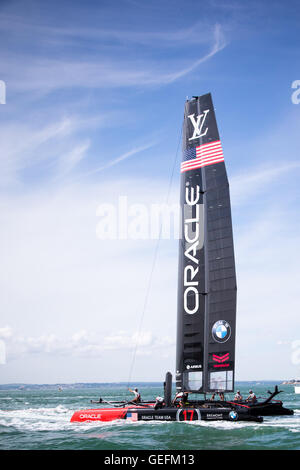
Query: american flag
<point x="132" y="416"/>
<point x="203" y="155"/>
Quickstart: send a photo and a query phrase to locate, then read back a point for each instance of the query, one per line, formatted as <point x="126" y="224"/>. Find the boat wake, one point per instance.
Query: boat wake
<point x="58" y="419"/>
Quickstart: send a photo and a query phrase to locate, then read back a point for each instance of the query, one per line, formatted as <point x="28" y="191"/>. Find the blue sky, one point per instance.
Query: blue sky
<point x="94" y="107"/>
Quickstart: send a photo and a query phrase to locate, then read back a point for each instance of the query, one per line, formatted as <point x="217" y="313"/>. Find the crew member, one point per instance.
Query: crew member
<point x="159" y="403"/>
<point x="137" y="395"/>
<point x="183" y="396"/>
<point x="238" y="396"/>
<point x="212" y="398"/>
<point x="221" y="395"/>
<point x="178" y="395"/>
<point x="251" y="397"/>
<point x="184" y="399"/>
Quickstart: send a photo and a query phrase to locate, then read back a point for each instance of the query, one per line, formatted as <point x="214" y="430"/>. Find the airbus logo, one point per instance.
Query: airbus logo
<point x="198" y="124"/>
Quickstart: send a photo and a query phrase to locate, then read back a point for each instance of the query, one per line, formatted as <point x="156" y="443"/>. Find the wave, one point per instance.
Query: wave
<point x="58" y="419"/>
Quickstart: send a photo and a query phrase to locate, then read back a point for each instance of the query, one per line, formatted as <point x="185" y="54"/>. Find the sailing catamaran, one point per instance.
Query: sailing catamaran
<point x="206" y="317"/>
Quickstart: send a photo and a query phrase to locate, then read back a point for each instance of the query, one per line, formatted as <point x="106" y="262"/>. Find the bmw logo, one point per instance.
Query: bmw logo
<point x="221" y="331"/>
<point x="233" y="415"/>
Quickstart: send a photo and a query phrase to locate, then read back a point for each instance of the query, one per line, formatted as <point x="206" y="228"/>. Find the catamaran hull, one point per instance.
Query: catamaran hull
<point x="254" y="409"/>
<point x="164" y="414"/>
<point x="270" y="409"/>
<point x="258" y="409"/>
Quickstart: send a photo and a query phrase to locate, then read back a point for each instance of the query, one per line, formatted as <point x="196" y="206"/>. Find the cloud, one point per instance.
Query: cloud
<point x="81" y="344"/>
<point x="197" y="33"/>
<point x="54" y="147"/>
<point x="70" y="160"/>
<point x="121" y="158"/>
<point x="5" y="332"/>
<point x="219" y="44"/>
<point x="41" y="74"/>
<point x="253" y="181"/>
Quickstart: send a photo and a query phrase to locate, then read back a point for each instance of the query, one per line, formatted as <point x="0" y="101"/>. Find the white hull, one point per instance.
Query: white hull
<point x="297" y="388"/>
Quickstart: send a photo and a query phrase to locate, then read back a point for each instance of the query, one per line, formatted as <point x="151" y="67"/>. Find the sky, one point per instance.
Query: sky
<point x="94" y="101"/>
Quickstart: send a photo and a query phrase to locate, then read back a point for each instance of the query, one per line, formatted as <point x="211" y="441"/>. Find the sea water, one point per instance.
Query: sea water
<point x="39" y="418"/>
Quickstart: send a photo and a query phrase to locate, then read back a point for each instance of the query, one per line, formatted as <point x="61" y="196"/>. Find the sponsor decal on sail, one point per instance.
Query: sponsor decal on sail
<point x="221" y="331"/>
<point x="203" y="155"/>
<point x="223" y="358"/>
<point x="198" y="124"/>
<point x="194" y="366"/>
<point x="193" y="242"/>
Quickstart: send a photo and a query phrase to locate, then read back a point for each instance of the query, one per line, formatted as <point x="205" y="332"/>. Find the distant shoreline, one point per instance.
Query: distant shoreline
<point x="89" y="385"/>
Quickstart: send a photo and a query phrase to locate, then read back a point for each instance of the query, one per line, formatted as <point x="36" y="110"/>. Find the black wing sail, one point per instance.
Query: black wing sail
<point x="207" y="283"/>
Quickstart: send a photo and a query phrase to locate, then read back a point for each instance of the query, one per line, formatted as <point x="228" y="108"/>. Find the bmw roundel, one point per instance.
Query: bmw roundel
<point x="233" y="415"/>
<point x="221" y="331"/>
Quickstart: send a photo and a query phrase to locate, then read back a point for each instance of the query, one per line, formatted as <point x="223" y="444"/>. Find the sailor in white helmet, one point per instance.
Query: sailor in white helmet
<point x="238" y="396"/>
<point x="251" y="397"/>
<point x="159" y="403"/>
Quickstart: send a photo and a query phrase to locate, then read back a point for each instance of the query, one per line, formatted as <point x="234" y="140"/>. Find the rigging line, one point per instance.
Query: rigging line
<point x="153" y="263"/>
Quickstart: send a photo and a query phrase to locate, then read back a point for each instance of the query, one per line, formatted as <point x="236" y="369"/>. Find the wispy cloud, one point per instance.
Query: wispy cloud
<point x="121" y="158"/>
<point x="219" y="44"/>
<point x="253" y="181"/>
<point x="197" y="33"/>
<point x="59" y="145"/>
<point x="71" y="159"/>
<point x="81" y="343"/>
<point x="27" y="73"/>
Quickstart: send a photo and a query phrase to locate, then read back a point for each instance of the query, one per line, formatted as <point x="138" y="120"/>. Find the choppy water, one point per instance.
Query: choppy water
<point x="41" y="420"/>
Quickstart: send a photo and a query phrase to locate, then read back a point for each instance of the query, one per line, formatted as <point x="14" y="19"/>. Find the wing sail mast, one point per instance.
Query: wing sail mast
<point x="206" y="315"/>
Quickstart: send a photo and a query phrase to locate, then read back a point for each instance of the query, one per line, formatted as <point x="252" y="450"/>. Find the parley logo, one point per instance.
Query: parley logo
<point x="198" y="124"/>
<point x="2" y="92"/>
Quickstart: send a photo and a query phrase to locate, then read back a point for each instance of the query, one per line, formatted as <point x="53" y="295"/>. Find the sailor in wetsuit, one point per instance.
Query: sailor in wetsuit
<point x="137" y="395"/>
<point x="183" y="397"/>
<point x="238" y="396"/>
<point x="251" y="397"/>
<point x="159" y="403"/>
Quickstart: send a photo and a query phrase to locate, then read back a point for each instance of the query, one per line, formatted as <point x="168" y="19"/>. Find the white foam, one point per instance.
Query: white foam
<point x="58" y="418"/>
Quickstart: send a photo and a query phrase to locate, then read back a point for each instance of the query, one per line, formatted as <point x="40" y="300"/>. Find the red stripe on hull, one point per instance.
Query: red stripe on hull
<point x="101" y="414"/>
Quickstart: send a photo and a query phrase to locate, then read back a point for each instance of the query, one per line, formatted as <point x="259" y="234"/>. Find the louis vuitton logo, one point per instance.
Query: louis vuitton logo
<point x="198" y="124"/>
